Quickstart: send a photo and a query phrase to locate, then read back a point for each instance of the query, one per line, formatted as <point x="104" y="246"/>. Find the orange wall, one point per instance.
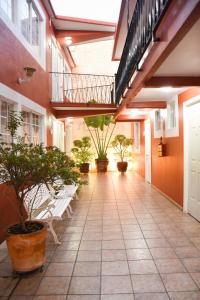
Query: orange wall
<point x="167" y="172"/>
<point x="13" y="58"/>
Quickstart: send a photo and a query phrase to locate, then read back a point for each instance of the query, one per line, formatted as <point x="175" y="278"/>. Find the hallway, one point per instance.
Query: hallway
<point x="124" y="242"/>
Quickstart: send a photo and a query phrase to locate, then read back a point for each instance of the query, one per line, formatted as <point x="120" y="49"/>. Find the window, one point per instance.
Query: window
<point x="31" y="128"/>
<point x="5" y="108"/>
<point x="27" y="24"/>
<point x="158" y="123"/>
<point x="136" y="137"/>
<point x="171" y="125"/>
<point x="7" y="7"/>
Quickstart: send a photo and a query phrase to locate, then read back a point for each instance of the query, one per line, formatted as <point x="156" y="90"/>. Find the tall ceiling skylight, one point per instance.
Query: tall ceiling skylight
<point x="99" y="10"/>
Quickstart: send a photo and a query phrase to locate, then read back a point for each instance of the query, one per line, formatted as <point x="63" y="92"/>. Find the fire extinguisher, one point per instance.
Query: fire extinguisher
<point x="161" y="148"/>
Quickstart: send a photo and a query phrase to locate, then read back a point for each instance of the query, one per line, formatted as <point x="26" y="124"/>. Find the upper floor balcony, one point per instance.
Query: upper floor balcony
<point x="146" y="18"/>
<point x="79" y="92"/>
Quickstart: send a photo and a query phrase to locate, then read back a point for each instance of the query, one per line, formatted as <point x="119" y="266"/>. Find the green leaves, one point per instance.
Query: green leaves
<point x="82" y="151"/>
<point x="101" y="132"/>
<point x="121" y="143"/>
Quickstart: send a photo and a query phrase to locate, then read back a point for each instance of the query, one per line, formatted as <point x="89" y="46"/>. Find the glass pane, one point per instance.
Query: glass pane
<point x="24" y="19"/>
<point x="35" y="27"/>
<point x="7" y="7"/>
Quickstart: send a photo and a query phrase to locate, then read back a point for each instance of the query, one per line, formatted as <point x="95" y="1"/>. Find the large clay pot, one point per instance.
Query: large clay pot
<point x="84" y="168"/>
<point x="102" y="165"/>
<point x="122" y="166"/>
<point x="27" y="251"/>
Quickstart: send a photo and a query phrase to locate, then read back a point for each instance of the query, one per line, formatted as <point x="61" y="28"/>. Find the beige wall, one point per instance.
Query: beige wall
<point x="79" y="129"/>
<point x="95" y="58"/>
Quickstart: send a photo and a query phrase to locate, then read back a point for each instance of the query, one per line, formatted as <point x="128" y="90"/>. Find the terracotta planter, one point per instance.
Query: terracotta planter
<point x="101" y="165"/>
<point x="84" y="168"/>
<point x="122" y="166"/>
<point x="27" y="251"/>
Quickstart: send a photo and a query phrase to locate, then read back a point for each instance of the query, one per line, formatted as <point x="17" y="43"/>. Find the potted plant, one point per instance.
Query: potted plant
<point x="23" y="167"/>
<point x="82" y="153"/>
<point x="101" y="129"/>
<point x="121" y="144"/>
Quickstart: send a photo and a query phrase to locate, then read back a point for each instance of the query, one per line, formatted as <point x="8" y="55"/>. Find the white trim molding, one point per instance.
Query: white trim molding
<point x="15" y="29"/>
<point x="23" y="102"/>
<point x="186" y="106"/>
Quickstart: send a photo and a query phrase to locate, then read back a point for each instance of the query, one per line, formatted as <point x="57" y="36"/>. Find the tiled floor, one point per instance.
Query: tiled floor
<point x="124" y="242"/>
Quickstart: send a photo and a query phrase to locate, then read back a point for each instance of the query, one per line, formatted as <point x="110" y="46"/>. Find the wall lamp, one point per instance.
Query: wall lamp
<point x="29" y="71"/>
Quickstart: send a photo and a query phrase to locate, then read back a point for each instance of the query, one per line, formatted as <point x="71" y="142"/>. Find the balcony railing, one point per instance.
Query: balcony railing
<point x="146" y="18"/>
<point x="82" y="88"/>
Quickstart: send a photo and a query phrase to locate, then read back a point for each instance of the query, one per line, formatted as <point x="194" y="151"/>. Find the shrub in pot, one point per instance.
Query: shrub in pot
<point x="82" y="153"/>
<point x="101" y="130"/>
<point x="23" y="167"/>
<point x="121" y="144"/>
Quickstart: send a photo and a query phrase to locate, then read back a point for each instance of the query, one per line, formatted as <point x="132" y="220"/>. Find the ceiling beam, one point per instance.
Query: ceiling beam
<point x="149" y="104"/>
<point x="74" y="33"/>
<point x="60" y="114"/>
<point x="130" y="118"/>
<point x="174" y="81"/>
<point x="177" y="21"/>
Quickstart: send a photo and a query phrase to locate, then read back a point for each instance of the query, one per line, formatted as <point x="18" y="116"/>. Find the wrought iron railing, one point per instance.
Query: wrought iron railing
<point x="145" y="20"/>
<point x="82" y="88"/>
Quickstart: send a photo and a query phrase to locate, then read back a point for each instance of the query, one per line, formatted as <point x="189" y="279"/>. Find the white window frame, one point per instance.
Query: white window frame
<point x="25" y="109"/>
<point x="172" y="131"/>
<point x="14" y="26"/>
<point x="158" y="132"/>
<point x="23" y="103"/>
<point x="136" y="137"/>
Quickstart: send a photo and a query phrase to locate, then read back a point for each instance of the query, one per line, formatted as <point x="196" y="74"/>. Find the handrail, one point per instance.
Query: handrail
<point x="82" y="88"/>
<point x="146" y="18"/>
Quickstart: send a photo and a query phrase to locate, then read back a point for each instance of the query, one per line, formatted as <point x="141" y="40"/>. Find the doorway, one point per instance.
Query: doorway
<point x="148" y="151"/>
<point x="192" y="157"/>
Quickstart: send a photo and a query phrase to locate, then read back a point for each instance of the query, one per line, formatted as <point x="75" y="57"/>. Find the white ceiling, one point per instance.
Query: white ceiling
<point x="74" y="25"/>
<point x="157" y="94"/>
<point x="184" y="60"/>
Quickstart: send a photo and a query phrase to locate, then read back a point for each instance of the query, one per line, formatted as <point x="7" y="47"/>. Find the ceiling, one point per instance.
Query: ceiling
<point x="185" y="58"/>
<point x="157" y="94"/>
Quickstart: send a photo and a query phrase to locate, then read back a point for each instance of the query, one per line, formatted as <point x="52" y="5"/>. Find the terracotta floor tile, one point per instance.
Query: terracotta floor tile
<point x="152" y="296"/>
<point x="83" y="297"/>
<point x="116" y="285"/>
<point x="64" y="256"/>
<point x="87" y="269"/>
<point x="162" y="253"/>
<point x="142" y="267"/>
<point x="113" y="245"/>
<point x="7" y="285"/>
<point x="27" y="286"/>
<point x="53" y="286"/>
<point x="178" y="282"/>
<point x="118" y="297"/>
<point x="171" y="265"/>
<point x="59" y="269"/>
<point x="184" y="295"/>
<point x="89" y="255"/>
<point x="192" y="264"/>
<point x="115" y="268"/>
<point x="113" y="255"/>
<point x="135" y="254"/>
<point x="85" y="285"/>
<point x="147" y="283"/>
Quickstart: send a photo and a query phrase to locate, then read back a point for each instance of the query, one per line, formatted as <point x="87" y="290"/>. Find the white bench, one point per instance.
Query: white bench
<point x="45" y="204"/>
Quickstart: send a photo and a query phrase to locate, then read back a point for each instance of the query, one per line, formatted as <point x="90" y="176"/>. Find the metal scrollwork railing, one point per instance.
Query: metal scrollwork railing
<point x="82" y="88"/>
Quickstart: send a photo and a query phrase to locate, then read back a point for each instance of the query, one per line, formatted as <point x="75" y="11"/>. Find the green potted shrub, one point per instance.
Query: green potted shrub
<point x="82" y="153"/>
<point x="101" y="129"/>
<point x="121" y="144"/>
<point x="23" y="167"/>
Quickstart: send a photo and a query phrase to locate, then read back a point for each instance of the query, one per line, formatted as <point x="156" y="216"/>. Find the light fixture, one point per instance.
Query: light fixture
<point x="166" y="89"/>
<point x="29" y="71"/>
<point x="68" y="40"/>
